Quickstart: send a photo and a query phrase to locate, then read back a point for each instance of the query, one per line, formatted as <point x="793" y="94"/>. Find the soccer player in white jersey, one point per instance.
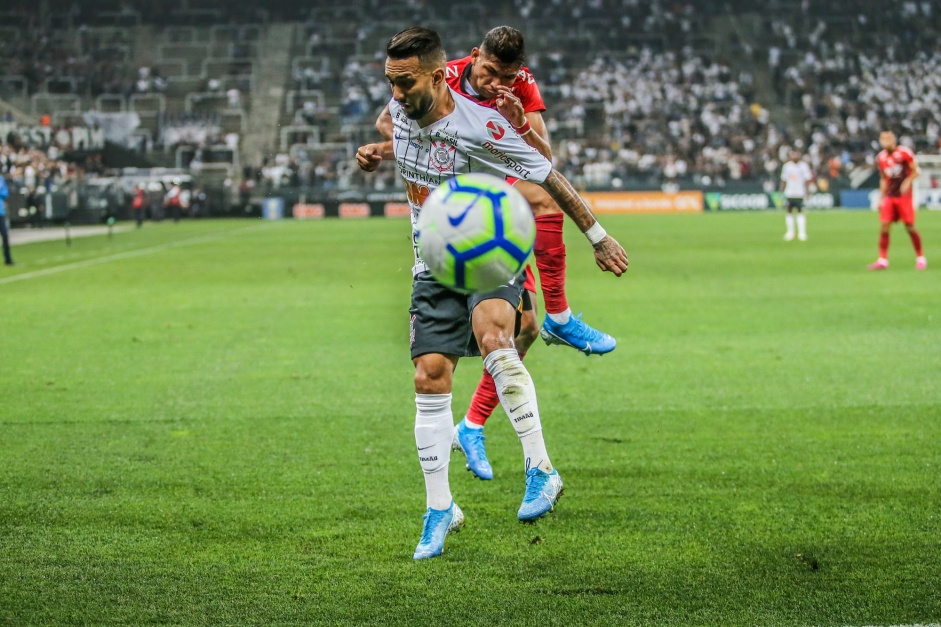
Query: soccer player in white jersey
<point x="795" y="182"/>
<point x="494" y="75"/>
<point x="437" y="135"/>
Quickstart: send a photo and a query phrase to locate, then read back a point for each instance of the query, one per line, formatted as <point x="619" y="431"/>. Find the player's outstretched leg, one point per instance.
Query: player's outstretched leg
<point x="433" y="426"/>
<point x="576" y="334"/>
<point x="469" y="433"/>
<point x="518" y="397"/>
<point x="559" y="326"/>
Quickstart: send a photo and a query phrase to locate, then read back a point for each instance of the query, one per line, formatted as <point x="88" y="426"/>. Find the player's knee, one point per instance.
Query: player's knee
<point x="508" y="372"/>
<point x="432" y="377"/>
<point x="529" y="331"/>
<point x="544" y="205"/>
<point x="493" y="340"/>
<point x="540" y="201"/>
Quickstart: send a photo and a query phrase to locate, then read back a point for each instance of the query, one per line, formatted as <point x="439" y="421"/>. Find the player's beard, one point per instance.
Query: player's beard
<point x="421" y="108"/>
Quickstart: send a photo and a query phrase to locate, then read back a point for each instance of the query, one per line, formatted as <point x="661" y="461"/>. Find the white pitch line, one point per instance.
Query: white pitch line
<point x="118" y="256"/>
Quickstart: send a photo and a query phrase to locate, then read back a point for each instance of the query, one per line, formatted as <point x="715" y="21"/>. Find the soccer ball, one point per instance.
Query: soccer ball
<point x="475" y="233"/>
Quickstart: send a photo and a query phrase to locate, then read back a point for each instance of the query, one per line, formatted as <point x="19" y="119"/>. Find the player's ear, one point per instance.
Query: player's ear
<point x="475" y="52"/>
<point x="437" y="77"/>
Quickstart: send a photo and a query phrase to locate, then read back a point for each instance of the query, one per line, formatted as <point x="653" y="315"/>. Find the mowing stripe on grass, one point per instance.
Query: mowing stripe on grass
<point x="119" y="256"/>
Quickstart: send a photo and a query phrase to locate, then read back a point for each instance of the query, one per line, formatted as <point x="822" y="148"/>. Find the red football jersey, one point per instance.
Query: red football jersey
<point x="895" y="167"/>
<point x="524" y="87"/>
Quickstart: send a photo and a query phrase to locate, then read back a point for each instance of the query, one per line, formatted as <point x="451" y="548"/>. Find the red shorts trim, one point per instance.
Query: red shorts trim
<point x="530" y="283"/>
<point x="896" y="208"/>
<point x="511" y="180"/>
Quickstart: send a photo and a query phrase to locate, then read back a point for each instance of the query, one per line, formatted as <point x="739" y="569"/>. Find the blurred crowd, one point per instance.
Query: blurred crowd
<point x="643" y="97"/>
<point x="636" y="90"/>
<point x="48" y="61"/>
<point x="33" y="174"/>
<point x="663" y="115"/>
<point x="36" y="169"/>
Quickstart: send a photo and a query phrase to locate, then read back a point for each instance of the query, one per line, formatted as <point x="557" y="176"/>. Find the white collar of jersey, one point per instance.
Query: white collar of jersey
<point x="466" y="84"/>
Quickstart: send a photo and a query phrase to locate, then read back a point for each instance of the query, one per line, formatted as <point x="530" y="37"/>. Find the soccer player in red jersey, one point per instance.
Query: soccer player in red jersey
<point x="494" y="76"/>
<point x="897" y="169"/>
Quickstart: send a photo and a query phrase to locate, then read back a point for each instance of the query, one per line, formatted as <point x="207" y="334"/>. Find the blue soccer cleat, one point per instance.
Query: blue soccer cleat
<point x="543" y="490"/>
<point x="471" y="443"/>
<point x="438" y="524"/>
<point x="578" y="335"/>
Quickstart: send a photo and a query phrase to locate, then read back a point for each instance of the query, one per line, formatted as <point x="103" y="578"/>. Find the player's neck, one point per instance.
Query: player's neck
<point x="444" y="105"/>
<point x="468" y="84"/>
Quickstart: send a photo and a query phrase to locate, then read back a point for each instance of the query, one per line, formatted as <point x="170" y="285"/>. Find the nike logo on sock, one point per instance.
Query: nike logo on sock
<point x="422" y="448"/>
<point x="513" y="411"/>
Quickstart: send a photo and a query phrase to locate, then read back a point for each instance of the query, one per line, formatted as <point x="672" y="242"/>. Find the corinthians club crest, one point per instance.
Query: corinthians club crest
<point x="441" y="156"/>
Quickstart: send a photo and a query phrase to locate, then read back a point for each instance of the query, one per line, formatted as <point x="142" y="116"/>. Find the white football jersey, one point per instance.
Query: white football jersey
<point x="796" y="176"/>
<point x="472" y="138"/>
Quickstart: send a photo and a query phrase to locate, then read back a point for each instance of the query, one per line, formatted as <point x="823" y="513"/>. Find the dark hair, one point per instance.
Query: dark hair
<point x="420" y="42"/>
<point x="506" y="44"/>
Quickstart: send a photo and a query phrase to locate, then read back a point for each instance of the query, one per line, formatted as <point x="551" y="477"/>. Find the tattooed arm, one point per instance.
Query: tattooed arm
<point x="609" y="255"/>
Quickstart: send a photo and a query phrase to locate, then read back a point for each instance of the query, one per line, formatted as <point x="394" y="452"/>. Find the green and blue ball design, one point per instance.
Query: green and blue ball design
<point x="475" y="233"/>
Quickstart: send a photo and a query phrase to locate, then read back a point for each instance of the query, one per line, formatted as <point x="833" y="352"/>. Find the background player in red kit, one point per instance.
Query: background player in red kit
<point x="897" y="170"/>
<point x="493" y="75"/>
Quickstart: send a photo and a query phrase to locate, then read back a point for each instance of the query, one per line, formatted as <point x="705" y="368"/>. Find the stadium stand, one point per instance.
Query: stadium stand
<point x="639" y="94"/>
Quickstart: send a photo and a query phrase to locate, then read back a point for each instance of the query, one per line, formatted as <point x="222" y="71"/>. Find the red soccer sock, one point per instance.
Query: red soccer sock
<point x="883" y="246"/>
<point x="550" y="260"/>
<point x="485" y="399"/>
<point x="916" y="242"/>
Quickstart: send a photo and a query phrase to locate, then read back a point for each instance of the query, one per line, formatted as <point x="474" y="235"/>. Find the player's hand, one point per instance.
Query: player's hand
<point x="510" y="106"/>
<point x="905" y="186"/>
<point x="610" y="257"/>
<point x="369" y="157"/>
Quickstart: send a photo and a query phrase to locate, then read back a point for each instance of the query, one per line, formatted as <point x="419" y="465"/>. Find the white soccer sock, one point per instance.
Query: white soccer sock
<point x="471" y="425"/>
<point x="789" y="221"/>
<point x="562" y="317"/>
<point x="434" y="430"/>
<point x="518" y="397"/>
<point x="801" y="224"/>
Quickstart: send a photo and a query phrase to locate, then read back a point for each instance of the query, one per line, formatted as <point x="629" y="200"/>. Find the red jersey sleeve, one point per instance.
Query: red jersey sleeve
<point x="453" y="72"/>
<point x="905" y="155"/>
<point x="527" y="91"/>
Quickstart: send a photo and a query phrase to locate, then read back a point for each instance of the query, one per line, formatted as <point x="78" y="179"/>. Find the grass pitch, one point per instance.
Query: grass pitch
<point x="212" y="423"/>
